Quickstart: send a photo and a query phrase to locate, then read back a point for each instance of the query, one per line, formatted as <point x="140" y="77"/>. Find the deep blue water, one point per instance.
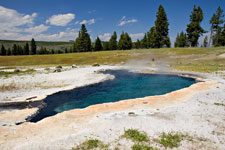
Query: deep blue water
<point x="126" y="85"/>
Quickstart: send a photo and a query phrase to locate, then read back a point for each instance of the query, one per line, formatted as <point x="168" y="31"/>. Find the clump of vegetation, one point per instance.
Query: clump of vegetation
<point x="143" y="147"/>
<point x="6" y="74"/>
<point x="91" y="144"/>
<point x="219" y="104"/>
<point x="135" y="135"/>
<point x="170" y="140"/>
<point x="9" y="87"/>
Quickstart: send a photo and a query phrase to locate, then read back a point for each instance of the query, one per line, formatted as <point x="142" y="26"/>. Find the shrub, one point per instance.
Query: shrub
<point x="170" y="140"/>
<point x="135" y="135"/>
<point x="143" y="147"/>
<point x="90" y="145"/>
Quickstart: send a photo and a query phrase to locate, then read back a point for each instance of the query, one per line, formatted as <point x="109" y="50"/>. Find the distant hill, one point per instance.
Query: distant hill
<point x="56" y="45"/>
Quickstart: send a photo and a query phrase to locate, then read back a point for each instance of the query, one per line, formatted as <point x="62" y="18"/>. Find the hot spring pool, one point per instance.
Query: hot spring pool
<point x="126" y="85"/>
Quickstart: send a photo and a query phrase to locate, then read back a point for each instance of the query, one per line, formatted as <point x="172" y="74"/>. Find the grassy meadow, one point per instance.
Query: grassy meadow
<point x="189" y="59"/>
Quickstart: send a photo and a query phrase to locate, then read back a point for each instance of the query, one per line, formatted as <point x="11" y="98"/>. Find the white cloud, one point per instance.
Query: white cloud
<point x="77" y="22"/>
<point x="91" y="11"/>
<point x="124" y="21"/>
<point x="68" y="34"/>
<point x="83" y="22"/>
<point x="136" y="36"/>
<point x="14" y="25"/>
<point x="61" y="19"/>
<point x="91" y="21"/>
<point x="17" y="26"/>
<point x="105" y="36"/>
<point x="36" y="29"/>
<point x="10" y="19"/>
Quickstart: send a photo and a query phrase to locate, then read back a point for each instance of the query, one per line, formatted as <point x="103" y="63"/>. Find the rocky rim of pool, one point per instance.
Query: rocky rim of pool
<point x="155" y="102"/>
<point x="53" y="104"/>
<point x="125" y="85"/>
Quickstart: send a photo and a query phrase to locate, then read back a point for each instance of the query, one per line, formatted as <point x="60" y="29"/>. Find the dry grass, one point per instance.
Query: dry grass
<point x="9" y="87"/>
<point x="191" y="59"/>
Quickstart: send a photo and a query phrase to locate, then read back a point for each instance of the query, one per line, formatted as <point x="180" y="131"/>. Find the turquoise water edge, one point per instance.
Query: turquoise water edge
<point x="126" y="85"/>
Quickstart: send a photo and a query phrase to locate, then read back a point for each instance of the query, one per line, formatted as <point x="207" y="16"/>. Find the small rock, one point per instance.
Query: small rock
<point x="58" y="70"/>
<point x="19" y="123"/>
<point x="47" y="68"/>
<point x="17" y="70"/>
<point x="59" y="67"/>
<point x="74" y="66"/>
<point x="31" y="98"/>
<point x="95" y="65"/>
<point x="131" y="113"/>
<point x="145" y="102"/>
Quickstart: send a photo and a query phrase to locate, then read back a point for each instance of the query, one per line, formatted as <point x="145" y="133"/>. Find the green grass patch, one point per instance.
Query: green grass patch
<point x="219" y="104"/>
<point x="170" y="140"/>
<point x="135" y="135"/>
<point x="143" y="147"/>
<point x="6" y="74"/>
<point x="91" y="144"/>
<point x="4" y="68"/>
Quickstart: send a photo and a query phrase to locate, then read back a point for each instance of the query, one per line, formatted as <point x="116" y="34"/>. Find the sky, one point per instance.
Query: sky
<point x="60" y="20"/>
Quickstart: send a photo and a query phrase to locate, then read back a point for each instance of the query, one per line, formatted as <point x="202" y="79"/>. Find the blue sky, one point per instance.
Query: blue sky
<point x="59" y="20"/>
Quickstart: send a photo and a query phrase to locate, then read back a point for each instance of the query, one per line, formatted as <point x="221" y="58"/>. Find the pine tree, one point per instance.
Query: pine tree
<point x="14" y="50"/>
<point x="83" y="41"/>
<point x="128" y="41"/>
<point x="75" y="48"/>
<point x="20" y="50"/>
<point x="194" y="30"/>
<point x="26" y="49"/>
<point x="144" y="42"/>
<point x="205" y="42"/>
<point x="125" y="42"/>
<point x="181" y="40"/>
<point x="137" y="44"/>
<point x="98" y="44"/>
<point x="113" y="42"/>
<point x="177" y="42"/>
<point x="106" y="46"/>
<point x="8" y="53"/>
<point x="66" y="50"/>
<point x="121" y="42"/>
<point x="33" y="47"/>
<point x="41" y="51"/>
<point x="221" y="37"/>
<point x="154" y="39"/>
<point x="162" y="27"/>
<point x="216" y="21"/>
<point x="3" y="51"/>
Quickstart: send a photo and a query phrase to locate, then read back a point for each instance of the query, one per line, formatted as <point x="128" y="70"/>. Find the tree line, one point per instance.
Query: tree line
<point x="156" y="37"/>
<point x="30" y="49"/>
<point x="19" y="50"/>
<point x="194" y="30"/>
